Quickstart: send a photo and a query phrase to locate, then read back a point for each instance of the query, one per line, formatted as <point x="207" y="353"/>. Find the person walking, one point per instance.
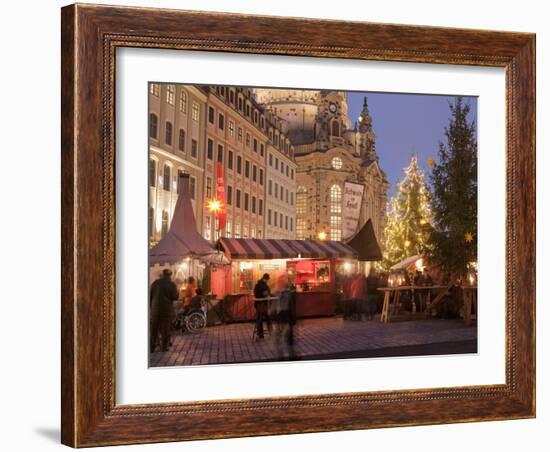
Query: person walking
<point x="261" y="291"/>
<point x="163" y="293"/>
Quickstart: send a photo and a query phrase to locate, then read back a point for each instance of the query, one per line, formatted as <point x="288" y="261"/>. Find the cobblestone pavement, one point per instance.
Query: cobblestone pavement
<point x="314" y="338"/>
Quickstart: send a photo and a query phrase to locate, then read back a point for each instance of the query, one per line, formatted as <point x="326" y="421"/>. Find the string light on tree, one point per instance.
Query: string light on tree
<point x="409" y="216"/>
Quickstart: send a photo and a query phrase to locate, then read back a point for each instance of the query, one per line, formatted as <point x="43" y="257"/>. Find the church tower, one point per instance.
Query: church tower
<point x="331" y="120"/>
<point x="365" y="138"/>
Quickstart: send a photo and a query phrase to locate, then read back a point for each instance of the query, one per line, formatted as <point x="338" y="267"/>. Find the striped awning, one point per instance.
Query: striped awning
<point x="284" y="249"/>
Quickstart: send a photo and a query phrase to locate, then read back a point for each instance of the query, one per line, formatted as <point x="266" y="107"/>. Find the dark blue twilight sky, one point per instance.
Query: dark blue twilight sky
<point x="405" y="124"/>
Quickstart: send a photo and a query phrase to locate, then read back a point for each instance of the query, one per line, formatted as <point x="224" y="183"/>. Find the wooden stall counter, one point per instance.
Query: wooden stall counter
<point x="315" y="303"/>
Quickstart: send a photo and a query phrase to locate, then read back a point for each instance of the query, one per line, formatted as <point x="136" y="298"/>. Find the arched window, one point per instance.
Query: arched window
<point x="153" y="125"/>
<point x="166" y="177"/>
<point x="183" y="102"/>
<point x="168" y="133"/>
<point x="181" y="141"/>
<point x="335" y="212"/>
<point x="335" y="128"/>
<point x="301" y="212"/>
<point x="337" y="163"/>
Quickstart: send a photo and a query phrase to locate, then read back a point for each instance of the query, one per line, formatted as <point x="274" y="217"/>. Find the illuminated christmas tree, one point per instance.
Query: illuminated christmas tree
<point x="408" y="226"/>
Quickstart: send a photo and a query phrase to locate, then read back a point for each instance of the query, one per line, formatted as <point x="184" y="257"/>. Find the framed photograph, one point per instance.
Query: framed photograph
<point x="282" y="225"/>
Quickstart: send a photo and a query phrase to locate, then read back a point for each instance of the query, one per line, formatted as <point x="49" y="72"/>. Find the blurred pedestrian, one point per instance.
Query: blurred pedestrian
<point x="161" y="304"/>
<point x="261" y="292"/>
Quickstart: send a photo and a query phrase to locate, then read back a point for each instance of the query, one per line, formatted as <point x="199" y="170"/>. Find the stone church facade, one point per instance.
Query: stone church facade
<point x="329" y="152"/>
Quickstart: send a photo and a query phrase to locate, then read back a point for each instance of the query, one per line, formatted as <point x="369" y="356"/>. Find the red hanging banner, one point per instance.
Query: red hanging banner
<point x="220" y="195"/>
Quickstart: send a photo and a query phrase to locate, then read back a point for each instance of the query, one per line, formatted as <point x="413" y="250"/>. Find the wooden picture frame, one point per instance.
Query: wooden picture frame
<point x="90" y="36"/>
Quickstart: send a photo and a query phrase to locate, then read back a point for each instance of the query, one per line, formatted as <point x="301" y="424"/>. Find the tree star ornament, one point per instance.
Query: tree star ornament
<point x="431" y="162"/>
<point x="468" y="237"/>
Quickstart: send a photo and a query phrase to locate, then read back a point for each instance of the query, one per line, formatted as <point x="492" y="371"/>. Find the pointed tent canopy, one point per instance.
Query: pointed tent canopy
<point x="365" y="243"/>
<point x="182" y="240"/>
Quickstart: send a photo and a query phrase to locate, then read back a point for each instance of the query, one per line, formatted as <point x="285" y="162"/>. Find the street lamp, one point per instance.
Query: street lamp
<point x="214" y="206"/>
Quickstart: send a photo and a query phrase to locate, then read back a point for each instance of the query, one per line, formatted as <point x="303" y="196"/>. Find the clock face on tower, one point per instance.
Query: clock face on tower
<point x="332" y="107"/>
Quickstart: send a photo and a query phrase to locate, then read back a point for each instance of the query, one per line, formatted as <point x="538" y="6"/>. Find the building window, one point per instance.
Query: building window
<point x="245" y="232"/>
<point x="276" y="190"/>
<point x="181" y="141"/>
<point x="252" y="232"/>
<point x="287" y="171"/>
<point x="220" y="121"/>
<point x="180" y="172"/>
<point x="275" y="218"/>
<point x="230" y="159"/>
<point x="208" y="187"/>
<point x="207" y="228"/>
<point x="183" y="102"/>
<point x="292" y="173"/>
<point x="281" y="220"/>
<point x="166" y="178"/>
<point x="337" y="163"/>
<point x="282" y="167"/>
<point x="247" y="139"/>
<point x="239" y="164"/>
<point x="247" y="110"/>
<point x="262" y="149"/>
<point x="154" y="89"/>
<point x="335" y="212"/>
<point x="270" y="159"/>
<point x="254" y="173"/>
<point x="247" y="169"/>
<point x="291" y="198"/>
<point x="286" y="195"/>
<point x="286" y="222"/>
<point x="152" y="173"/>
<point x="291" y="224"/>
<point x="170" y="93"/>
<point x="261" y="207"/>
<point x="216" y="228"/>
<point x="270" y="187"/>
<point x="255" y="147"/>
<point x="231" y="129"/>
<point x="238" y="199"/>
<point x="237" y="231"/>
<point x="195" y="111"/>
<point x="153" y="125"/>
<point x="168" y="133"/>
<point x="211" y="115"/>
<point x="151" y="218"/>
<point x="261" y="176"/>
<point x="240" y="134"/>
<point x="228" y="229"/>
<point x="281" y="192"/>
<point x="240" y="103"/>
<point x="262" y="122"/>
<point x="229" y="195"/>
<point x="220" y="153"/>
<point x="194" y="148"/>
<point x="253" y="204"/>
<point x="268" y="216"/>
<point x="276" y="163"/>
<point x="210" y="149"/>
<point x="232" y="96"/>
<point x="246" y="201"/>
<point x="301" y="209"/>
<point x="335" y="128"/>
<point x="164" y="224"/>
<point x="192" y="185"/>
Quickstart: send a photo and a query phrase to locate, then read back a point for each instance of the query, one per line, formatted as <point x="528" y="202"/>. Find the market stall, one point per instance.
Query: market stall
<point x="311" y="265"/>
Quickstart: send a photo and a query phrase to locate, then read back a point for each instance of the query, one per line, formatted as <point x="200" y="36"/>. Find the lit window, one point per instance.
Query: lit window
<point x="237" y="230"/>
<point x="154" y="89"/>
<point x="207" y="228"/>
<point x="170" y="93"/>
<point x="194" y="148"/>
<point x="301" y="208"/>
<point x="183" y="102"/>
<point x="335" y="212"/>
<point x="195" y="111"/>
<point x="228" y="229"/>
<point x="181" y="141"/>
<point x="337" y="163"/>
<point x="164" y="226"/>
<point x="231" y="129"/>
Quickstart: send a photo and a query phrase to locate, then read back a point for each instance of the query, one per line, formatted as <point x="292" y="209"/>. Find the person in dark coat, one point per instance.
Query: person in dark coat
<point x="262" y="290"/>
<point x="161" y="306"/>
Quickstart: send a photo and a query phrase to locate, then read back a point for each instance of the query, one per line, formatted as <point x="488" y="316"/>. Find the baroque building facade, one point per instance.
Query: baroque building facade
<point x="195" y="128"/>
<point x="329" y="152"/>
